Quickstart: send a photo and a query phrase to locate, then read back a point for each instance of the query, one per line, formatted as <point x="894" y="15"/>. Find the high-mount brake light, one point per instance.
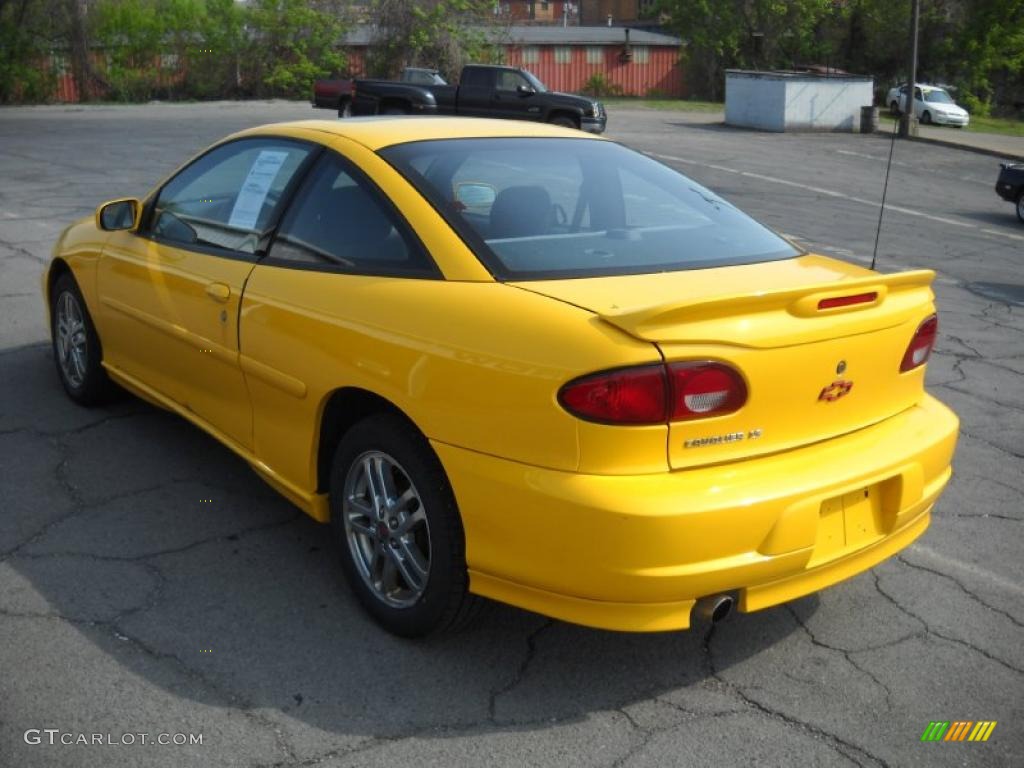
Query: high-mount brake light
<point x="655" y="394"/>
<point x="921" y="345"/>
<point x="845" y="301"/>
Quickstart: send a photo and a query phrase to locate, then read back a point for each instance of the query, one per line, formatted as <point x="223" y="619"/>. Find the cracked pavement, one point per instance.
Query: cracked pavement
<point x="150" y="582"/>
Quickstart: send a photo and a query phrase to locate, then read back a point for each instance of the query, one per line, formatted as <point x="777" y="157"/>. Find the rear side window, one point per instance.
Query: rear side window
<point x="227" y="198"/>
<point x="340" y="222"/>
<point x="475" y="76"/>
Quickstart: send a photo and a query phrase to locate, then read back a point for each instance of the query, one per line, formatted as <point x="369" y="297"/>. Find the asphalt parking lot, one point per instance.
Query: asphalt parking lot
<point x="151" y="583"/>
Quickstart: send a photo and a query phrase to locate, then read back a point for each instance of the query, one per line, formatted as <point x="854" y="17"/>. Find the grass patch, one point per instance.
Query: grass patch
<point x="1004" y="126"/>
<point x="676" y="105"/>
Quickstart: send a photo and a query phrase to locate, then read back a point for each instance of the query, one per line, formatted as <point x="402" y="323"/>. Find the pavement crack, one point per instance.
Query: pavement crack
<point x="846" y="749"/>
<point x="963" y="588"/>
<point x="520" y="673"/>
<point x="936" y="633"/>
<point x="232" y="698"/>
<point x="845" y="654"/>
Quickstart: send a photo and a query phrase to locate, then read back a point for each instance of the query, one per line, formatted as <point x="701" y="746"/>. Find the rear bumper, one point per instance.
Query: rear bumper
<point x="634" y="553"/>
<point x="941" y="119"/>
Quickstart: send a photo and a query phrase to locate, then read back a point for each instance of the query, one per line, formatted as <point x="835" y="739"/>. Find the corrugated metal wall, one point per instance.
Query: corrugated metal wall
<point x="653" y="71"/>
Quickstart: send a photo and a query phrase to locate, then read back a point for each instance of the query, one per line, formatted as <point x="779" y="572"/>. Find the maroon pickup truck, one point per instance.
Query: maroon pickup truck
<point x="337" y="93"/>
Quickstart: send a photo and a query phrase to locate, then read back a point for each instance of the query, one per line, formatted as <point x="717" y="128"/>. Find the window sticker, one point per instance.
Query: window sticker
<point x="255" y="188"/>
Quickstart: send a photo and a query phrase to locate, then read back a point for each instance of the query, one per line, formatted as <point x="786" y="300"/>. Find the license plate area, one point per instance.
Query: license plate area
<point x="849" y="522"/>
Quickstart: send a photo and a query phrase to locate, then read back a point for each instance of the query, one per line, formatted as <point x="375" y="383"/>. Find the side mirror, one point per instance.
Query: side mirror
<point x="118" y="214"/>
<point x="475" y="195"/>
<point x="526" y="90"/>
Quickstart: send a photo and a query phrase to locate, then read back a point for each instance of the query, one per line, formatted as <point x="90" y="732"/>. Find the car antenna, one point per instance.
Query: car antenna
<point x="885" y="189"/>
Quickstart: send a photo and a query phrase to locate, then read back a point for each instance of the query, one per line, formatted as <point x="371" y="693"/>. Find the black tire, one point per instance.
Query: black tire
<point x="894" y="108"/>
<point x="926" y="117"/>
<point x="443" y="602"/>
<point x="345" y="108"/>
<point x="395" y="111"/>
<point x="1020" y="205"/>
<point x="565" y="121"/>
<point x="85" y="381"/>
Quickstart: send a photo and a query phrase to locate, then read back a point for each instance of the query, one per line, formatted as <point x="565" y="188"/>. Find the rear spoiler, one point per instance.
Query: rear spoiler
<point x="680" y="321"/>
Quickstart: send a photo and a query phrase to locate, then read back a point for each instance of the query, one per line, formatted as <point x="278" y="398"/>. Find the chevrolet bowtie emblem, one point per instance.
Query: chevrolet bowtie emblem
<point x="835" y="390"/>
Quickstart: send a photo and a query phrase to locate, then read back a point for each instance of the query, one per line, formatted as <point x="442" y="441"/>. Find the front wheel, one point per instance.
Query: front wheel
<point x="564" y="121"/>
<point x="395" y="111"/>
<point x="398" y="530"/>
<point x="926" y="118"/>
<point x="76" y="346"/>
<point x="345" y="110"/>
<point x="1020" y="205"/>
<point x="894" y="108"/>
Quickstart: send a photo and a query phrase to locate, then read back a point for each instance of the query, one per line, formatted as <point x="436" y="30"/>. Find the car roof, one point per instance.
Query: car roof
<point x="385" y="131"/>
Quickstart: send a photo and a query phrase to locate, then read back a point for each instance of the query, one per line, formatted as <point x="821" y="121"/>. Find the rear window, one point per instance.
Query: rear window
<point x="537" y="208"/>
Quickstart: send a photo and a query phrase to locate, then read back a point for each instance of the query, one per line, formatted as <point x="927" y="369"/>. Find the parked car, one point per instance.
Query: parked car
<point x="517" y="362"/>
<point x="337" y="93"/>
<point x="483" y="91"/>
<point x="931" y="105"/>
<point x="1010" y="185"/>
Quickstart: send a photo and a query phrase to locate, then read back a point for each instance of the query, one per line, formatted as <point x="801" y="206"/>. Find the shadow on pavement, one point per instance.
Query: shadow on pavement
<point x="176" y="561"/>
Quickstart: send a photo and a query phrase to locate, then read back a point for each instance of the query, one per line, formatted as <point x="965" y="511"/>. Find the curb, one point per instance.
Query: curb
<point x="970" y="148"/>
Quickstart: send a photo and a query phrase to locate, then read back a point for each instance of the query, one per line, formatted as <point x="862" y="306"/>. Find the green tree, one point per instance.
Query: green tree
<point x="440" y="34"/>
<point x="26" y="39"/>
<point x="290" y="43"/>
<point x="746" y="34"/>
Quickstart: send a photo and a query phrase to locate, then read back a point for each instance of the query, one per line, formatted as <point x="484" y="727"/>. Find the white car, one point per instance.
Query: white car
<point x="931" y="105"/>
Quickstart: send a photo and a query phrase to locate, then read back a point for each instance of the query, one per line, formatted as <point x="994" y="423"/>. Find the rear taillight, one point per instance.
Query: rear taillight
<point x="655" y="394"/>
<point x="622" y="396"/>
<point x="702" y="390"/>
<point x="921" y="345"/>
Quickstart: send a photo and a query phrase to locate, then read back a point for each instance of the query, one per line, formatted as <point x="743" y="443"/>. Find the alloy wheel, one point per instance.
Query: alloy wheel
<point x="386" y="529"/>
<point x="72" y="340"/>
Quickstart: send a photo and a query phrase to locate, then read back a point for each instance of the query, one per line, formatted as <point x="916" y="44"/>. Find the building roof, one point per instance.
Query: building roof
<point x="532" y="34"/>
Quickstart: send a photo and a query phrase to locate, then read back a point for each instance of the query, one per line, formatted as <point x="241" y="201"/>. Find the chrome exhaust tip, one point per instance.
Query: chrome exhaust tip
<point x="714" y="608"/>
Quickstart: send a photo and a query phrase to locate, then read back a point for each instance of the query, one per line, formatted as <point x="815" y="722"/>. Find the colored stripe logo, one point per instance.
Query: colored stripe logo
<point x="958" y="730"/>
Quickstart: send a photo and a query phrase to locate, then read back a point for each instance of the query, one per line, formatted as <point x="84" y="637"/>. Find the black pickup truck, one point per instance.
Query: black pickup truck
<point x="483" y="91"/>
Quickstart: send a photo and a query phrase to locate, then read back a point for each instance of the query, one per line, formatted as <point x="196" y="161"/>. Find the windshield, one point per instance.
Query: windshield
<point x="536" y="208"/>
<point x="938" y="96"/>
<point x="534" y="81"/>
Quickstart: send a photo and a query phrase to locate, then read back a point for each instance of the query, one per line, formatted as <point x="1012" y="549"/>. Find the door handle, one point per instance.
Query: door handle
<point x="218" y="291"/>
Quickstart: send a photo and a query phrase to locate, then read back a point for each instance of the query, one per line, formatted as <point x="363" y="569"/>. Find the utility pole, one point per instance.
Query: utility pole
<point x="908" y="109"/>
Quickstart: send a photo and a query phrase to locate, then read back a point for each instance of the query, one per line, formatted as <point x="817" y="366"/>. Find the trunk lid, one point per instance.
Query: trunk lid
<point x="811" y="373"/>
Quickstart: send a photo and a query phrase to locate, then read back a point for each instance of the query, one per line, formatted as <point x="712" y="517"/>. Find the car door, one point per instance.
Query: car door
<point x="511" y="103"/>
<point x="170" y="292"/>
<point x="320" y="311"/>
<point x="918" y="103"/>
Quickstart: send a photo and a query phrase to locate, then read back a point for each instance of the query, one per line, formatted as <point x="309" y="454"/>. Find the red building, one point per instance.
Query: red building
<point x="637" y="62"/>
<point x="634" y="62"/>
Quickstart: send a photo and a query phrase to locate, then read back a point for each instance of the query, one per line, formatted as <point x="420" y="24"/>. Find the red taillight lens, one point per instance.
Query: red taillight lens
<point x="703" y="390"/>
<point x="921" y="345"/>
<point x="623" y="396"/>
<point x="655" y="394"/>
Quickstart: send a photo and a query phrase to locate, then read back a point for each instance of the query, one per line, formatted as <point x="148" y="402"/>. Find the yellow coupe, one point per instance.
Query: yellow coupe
<point x="520" y="362"/>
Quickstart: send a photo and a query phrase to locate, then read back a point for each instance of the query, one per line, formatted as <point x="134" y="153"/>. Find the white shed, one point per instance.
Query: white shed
<point x="796" y="101"/>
